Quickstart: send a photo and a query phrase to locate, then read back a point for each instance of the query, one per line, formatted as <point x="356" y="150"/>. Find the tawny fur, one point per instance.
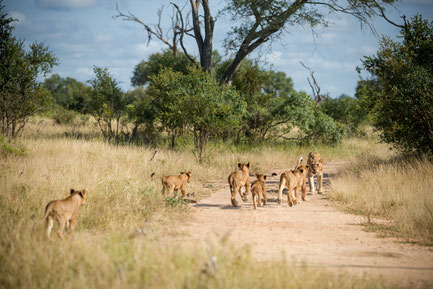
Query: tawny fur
<point x="258" y="190"/>
<point x="65" y="212"/>
<point x="175" y="183"/>
<point x="294" y="180"/>
<point x="315" y="168"/>
<point x="239" y="179"/>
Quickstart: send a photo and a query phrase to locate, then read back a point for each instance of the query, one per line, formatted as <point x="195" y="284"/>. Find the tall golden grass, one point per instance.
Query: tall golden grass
<point x="120" y="237"/>
<point x="397" y="189"/>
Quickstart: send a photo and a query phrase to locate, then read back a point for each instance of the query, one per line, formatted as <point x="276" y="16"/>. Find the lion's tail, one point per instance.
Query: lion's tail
<point x="299" y="162"/>
<point x="48" y="210"/>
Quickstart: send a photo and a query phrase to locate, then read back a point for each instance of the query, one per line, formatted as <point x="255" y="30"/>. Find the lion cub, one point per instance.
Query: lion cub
<point x="175" y="183"/>
<point x="239" y="179"/>
<point x="64" y="212"/>
<point x="294" y="181"/>
<point x="258" y="190"/>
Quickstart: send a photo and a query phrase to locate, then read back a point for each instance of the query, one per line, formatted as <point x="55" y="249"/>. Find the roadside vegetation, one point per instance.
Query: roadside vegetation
<point x="395" y="189"/>
<point x="59" y="133"/>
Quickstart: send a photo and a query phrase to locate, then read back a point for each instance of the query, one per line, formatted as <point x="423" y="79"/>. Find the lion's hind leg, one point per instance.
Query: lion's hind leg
<point x="49" y="223"/>
<point x="281" y="188"/>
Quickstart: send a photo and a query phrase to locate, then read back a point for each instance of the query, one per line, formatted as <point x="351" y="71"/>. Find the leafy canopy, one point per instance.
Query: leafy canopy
<point x="404" y="101"/>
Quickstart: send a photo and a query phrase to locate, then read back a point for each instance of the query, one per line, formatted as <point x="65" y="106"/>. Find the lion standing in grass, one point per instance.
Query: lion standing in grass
<point x="65" y="212"/>
<point x="175" y="183"/>
<point x="315" y="168"/>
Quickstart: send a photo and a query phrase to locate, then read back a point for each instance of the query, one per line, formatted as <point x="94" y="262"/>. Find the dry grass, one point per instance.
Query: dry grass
<point x="105" y="251"/>
<point x="392" y="188"/>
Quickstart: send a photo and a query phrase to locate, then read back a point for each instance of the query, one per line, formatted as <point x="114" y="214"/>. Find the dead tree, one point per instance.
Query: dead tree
<point x="313" y="84"/>
<point x="156" y="30"/>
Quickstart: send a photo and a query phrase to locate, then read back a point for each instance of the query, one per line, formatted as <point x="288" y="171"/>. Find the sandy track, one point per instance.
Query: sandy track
<point x="313" y="232"/>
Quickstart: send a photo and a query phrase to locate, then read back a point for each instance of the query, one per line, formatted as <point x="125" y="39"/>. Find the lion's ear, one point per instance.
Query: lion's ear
<point x="307" y="166"/>
<point x="81" y="194"/>
<point x="84" y="192"/>
<point x="181" y="173"/>
<point x="265" y="177"/>
<point x="72" y="191"/>
<point x="239" y="165"/>
<point x="257" y="175"/>
<point x="248" y="165"/>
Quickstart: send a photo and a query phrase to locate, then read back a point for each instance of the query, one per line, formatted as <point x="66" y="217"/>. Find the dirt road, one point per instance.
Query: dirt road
<point x="313" y="232"/>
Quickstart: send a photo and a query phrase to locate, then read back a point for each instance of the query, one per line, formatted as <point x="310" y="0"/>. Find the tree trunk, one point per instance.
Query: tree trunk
<point x="204" y="45"/>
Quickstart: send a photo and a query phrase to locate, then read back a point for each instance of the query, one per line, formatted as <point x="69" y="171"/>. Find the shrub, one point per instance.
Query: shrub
<point x="404" y="103"/>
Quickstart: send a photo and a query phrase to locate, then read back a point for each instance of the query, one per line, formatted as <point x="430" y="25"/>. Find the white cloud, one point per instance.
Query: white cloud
<point x="71" y="47"/>
<point x="143" y="49"/>
<point x="84" y="71"/>
<point x="418" y="2"/>
<point x="275" y="58"/>
<point x="103" y="37"/>
<point x="19" y="16"/>
<point x="65" y="4"/>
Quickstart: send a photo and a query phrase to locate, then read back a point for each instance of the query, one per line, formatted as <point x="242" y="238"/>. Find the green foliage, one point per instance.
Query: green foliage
<point x="144" y="71"/>
<point x="64" y="116"/>
<point x="141" y="112"/>
<point x="107" y="101"/>
<point x="322" y="129"/>
<point x="68" y="92"/>
<point x="22" y="94"/>
<point x="345" y="110"/>
<point x="9" y="147"/>
<point x="366" y="91"/>
<point x="403" y="112"/>
<point x="197" y="102"/>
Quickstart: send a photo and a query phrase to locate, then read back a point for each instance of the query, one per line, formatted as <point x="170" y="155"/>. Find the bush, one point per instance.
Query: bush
<point x="322" y="129"/>
<point x="403" y="112"/>
<point x="8" y="147"/>
<point x="64" y="116"/>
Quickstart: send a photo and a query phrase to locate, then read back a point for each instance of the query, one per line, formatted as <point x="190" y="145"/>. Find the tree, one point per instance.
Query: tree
<point x="197" y="102"/>
<point x="21" y="92"/>
<point x="258" y="22"/>
<point x="144" y="71"/>
<point x="68" y="92"/>
<point x="403" y="111"/>
<point x="107" y="101"/>
<point x="346" y="111"/>
<point x="140" y="111"/>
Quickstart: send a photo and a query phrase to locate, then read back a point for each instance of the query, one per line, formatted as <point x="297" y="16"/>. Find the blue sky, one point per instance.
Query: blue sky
<point x="83" y="33"/>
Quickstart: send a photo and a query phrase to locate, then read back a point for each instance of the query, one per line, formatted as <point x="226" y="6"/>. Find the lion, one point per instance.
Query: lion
<point x="315" y="168"/>
<point x="175" y="183"/>
<point x="239" y="179"/>
<point x="258" y="190"/>
<point x="294" y="181"/>
<point x="65" y="212"/>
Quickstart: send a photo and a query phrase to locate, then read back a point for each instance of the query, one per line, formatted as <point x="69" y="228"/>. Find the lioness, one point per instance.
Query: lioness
<point x="258" y="190"/>
<point x="294" y="181"/>
<point x="315" y="167"/>
<point x="237" y="180"/>
<point x="175" y="183"/>
<point x="65" y="212"/>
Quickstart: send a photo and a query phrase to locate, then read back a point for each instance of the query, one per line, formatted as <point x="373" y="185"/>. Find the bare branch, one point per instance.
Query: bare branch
<point x="181" y="29"/>
<point x="156" y="31"/>
<point x="382" y="13"/>
<point x="314" y="86"/>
